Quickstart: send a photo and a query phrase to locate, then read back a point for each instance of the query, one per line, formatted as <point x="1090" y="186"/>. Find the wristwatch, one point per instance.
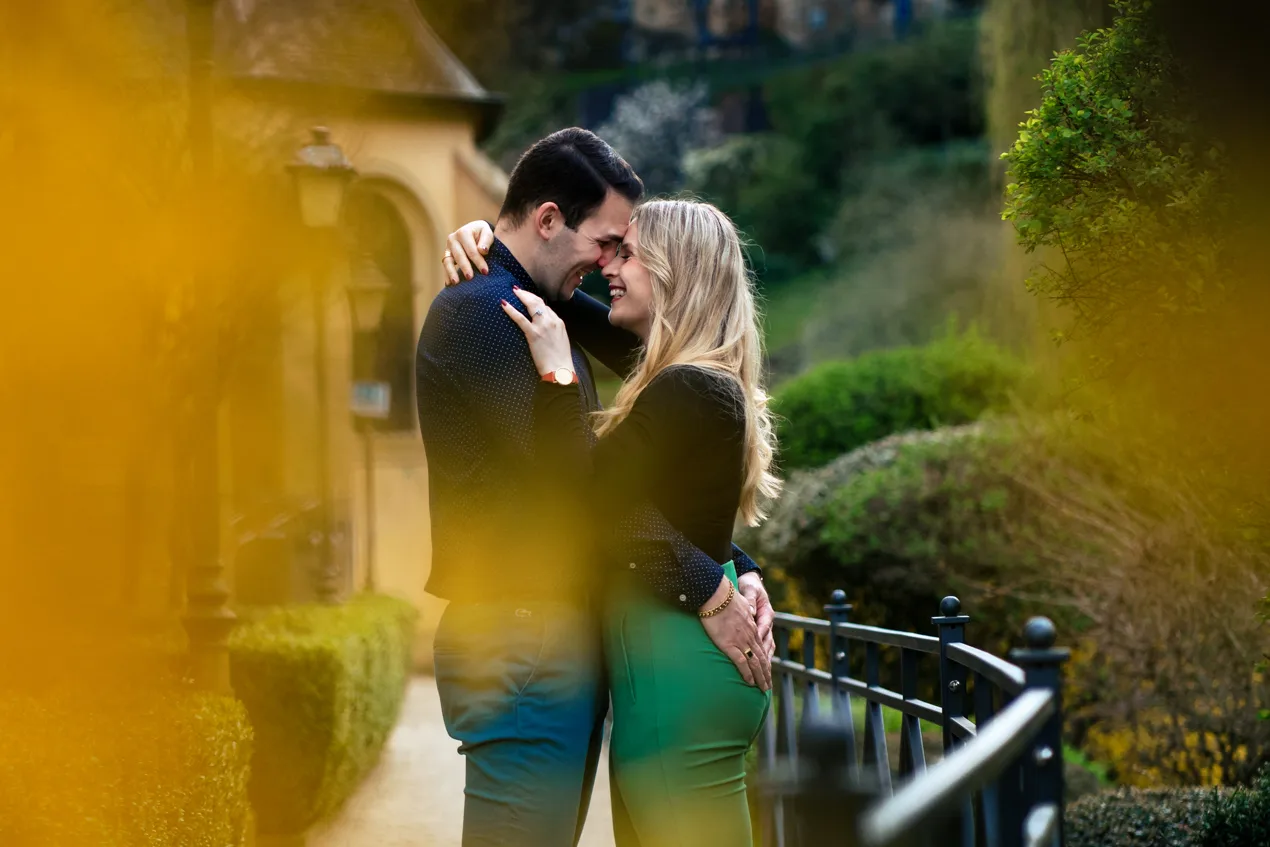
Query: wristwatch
<point x="560" y="376"/>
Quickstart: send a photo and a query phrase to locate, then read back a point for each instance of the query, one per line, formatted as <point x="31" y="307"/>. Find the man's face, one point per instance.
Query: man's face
<point x="572" y="254"/>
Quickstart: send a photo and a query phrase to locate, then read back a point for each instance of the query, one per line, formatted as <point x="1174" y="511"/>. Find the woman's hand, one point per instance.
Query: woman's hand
<point x="465" y="251"/>
<point x="735" y="632"/>
<point x="545" y="332"/>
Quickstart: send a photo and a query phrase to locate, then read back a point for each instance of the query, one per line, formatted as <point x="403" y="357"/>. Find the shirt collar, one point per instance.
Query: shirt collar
<point x="501" y="256"/>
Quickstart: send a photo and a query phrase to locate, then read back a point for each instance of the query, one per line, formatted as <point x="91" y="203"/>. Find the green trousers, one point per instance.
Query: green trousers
<point x="683" y="719"/>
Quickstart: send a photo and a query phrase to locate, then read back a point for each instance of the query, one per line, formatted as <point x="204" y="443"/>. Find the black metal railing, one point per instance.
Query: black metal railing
<point x="998" y="782"/>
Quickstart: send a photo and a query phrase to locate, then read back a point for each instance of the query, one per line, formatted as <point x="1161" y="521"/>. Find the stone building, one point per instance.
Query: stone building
<point x="409" y="117"/>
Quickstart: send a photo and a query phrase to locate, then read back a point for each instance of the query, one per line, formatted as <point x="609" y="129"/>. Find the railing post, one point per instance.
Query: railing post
<point x="912" y="750"/>
<point x="771" y="810"/>
<point x="987" y="810"/>
<point x="952" y="676"/>
<point x="828" y="799"/>
<point x="1042" y="665"/>
<point x="875" y="755"/>
<point x="786" y="743"/>
<point x="951" y="625"/>
<point x="838" y="611"/>
<point x="811" y="691"/>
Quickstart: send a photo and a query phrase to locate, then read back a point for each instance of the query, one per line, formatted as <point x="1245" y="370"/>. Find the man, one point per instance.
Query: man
<point x="518" y="654"/>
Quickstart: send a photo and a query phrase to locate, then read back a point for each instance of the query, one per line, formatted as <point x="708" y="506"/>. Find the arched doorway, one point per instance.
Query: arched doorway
<point x="381" y="248"/>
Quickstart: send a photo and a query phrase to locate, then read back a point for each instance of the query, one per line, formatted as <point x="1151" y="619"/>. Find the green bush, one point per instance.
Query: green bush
<point x="1138" y="818"/>
<point x="932" y="516"/>
<point x="1240" y="818"/>
<point x="840" y="406"/>
<point x="323" y="686"/>
<point x="156" y="767"/>
<point x="1177" y="817"/>
<point x="898" y="524"/>
<point x="1017" y="521"/>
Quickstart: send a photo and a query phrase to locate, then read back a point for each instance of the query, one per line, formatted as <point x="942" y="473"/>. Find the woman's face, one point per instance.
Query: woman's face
<point x="630" y="287"/>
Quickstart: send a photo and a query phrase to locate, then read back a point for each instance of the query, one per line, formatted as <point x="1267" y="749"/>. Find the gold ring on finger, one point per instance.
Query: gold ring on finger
<point x="446" y="255"/>
<point x="749" y="654"/>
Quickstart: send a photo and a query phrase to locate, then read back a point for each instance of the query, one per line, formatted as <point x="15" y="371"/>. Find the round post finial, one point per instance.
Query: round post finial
<point x="1039" y="633"/>
<point x="950" y="607"/>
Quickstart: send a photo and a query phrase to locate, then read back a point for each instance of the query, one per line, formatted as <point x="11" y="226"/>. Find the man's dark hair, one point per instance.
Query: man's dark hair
<point x="573" y="168"/>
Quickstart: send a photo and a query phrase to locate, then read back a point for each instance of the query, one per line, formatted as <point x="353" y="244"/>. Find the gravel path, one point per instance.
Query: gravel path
<point x="414" y="798"/>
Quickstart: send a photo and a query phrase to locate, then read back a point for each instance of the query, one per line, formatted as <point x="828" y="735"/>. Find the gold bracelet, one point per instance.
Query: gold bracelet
<point x="721" y="606"/>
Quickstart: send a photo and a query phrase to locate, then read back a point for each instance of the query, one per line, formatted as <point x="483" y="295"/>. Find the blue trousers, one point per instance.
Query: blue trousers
<point x="522" y="691"/>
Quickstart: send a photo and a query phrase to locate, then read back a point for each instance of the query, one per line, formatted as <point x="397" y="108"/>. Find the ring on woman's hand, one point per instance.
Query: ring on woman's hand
<point x="446" y="255"/>
<point x="749" y="654"/>
<point x="537" y="313"/>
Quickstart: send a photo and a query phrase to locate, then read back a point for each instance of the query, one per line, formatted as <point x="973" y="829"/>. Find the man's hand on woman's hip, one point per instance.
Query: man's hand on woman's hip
<point x="735" y="631"/>
<point x="751" y="585"/>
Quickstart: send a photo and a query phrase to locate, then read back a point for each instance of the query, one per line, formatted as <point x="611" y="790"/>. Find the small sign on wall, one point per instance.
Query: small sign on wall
<point x="371" y="399"/>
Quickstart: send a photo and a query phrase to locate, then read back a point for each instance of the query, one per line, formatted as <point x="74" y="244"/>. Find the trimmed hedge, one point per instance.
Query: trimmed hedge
<point x="1173" y="817"/>
<point x="901" y="523"/>
<point x="839" y="406"/>
<point x="155" y="767"/>
<point x="1240" y="818"/>
<point x="323" y="686"/>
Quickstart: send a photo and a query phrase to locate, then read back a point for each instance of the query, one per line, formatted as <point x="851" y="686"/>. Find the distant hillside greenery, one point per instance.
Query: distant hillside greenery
<point x="869" y="202"/>
<point x="829" y="123"/>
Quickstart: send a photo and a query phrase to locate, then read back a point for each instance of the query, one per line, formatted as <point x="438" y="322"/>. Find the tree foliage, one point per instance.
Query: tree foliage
<point x="1113" y="175"/>
<point x="1017" y="38"/>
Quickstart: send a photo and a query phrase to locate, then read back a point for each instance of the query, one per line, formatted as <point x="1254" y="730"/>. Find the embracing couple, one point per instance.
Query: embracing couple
<point x="587" y="553"/>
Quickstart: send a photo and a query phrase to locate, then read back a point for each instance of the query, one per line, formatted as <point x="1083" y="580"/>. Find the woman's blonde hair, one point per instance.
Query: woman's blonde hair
<point x="704" y="316"/>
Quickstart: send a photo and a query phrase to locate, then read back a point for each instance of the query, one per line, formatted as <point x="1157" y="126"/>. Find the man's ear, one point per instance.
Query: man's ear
<point x="548" y="220"/>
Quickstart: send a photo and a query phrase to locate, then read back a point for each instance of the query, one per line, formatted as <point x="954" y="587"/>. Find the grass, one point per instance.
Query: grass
<point x="892" y="719"/>
<point x="1077" y="757"/>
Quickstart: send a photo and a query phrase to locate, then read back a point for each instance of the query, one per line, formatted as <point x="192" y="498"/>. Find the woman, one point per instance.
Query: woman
<point x="690" y="432"/>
